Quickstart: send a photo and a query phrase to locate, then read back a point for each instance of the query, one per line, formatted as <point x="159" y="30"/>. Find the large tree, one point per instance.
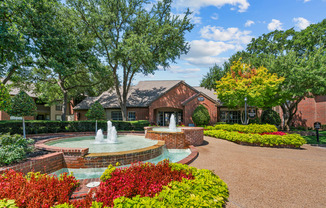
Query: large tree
<point x="63" y="48"/>
<point x="132" y="39"/>
<point x="15" y="47"/>
<point x="257" y="85"/>
<point x="299" y="57"/>
<point x="215" y="74"/>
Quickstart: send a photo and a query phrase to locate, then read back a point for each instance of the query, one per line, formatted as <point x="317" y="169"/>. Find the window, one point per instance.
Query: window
<point x="58" y="107"/>
<point x="230" y="116"/>
<point x="116" y="115"/>
<point x="131" y="116"/>
<point x="58" y="117"/>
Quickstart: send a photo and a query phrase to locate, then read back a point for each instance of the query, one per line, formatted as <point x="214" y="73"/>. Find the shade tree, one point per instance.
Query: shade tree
<point x="133" y="39"/>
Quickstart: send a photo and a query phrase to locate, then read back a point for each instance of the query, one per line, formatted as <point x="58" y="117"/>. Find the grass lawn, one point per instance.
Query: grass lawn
<point x="313" y="139"/>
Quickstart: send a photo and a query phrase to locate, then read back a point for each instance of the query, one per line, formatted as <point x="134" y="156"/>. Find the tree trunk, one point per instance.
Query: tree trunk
<point x="64" y="106"/>
<point x="124" y="111"/>
<point x="24" y="132"/>
<point x="285" y="111"/>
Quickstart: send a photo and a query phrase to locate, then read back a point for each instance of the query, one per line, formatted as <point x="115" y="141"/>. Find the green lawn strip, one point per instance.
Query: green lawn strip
<point x="313" y="139"/>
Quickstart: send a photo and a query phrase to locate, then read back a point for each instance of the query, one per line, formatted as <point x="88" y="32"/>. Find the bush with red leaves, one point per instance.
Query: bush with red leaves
<point x="35" y="189"/>
<point x="280" y="133"/>
<point x="144" y="179"/>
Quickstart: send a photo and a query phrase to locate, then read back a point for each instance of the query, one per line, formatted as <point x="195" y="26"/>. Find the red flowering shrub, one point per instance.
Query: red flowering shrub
<point x="144" y="179"/>
<point x="280" y="133"/>
<point x="35" y="189"/>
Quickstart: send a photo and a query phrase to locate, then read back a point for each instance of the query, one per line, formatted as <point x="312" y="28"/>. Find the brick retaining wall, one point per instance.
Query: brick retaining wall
<point x="44" y="164"/>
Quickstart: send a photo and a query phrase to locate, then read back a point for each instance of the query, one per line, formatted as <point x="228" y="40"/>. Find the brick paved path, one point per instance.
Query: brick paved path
<point x="267" y="177"/>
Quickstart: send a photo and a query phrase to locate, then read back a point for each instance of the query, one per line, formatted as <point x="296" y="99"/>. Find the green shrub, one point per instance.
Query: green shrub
<point x="107" y="173"/>
<point x="38" y="127"/>
<point x="270" y="117"/>
<point x="96" y="112"/>
<point x="201" y="116"/>
<point x="206" y="190"/>
<point x="251" y="128"/>
<point x="13" y="148"/>
<point x="8" y="203"/>
<point x="291" y="140"/>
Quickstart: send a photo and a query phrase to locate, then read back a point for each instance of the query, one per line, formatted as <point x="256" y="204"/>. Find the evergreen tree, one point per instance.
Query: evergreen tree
<point x="201" y="116"/>
<point x="23" y="105"/>
<point x="4" y="98"/>
<point x="96" y="112"/>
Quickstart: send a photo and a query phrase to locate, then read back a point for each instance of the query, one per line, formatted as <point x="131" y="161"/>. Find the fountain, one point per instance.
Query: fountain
<point x="111" y="134"/>
<point x="172" y="125"/>
<point x="99" y="138"/>
<point x="176" y="138"/>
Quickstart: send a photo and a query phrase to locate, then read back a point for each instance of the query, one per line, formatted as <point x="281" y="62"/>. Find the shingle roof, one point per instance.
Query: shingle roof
<point x="140" y="95"/>
<point x="14" y="90"/>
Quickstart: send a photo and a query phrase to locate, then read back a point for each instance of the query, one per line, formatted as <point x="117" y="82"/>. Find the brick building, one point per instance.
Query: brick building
<point x="155" y="101"/>
<point x="310" y="110"/>
<point x="44" y="112"/>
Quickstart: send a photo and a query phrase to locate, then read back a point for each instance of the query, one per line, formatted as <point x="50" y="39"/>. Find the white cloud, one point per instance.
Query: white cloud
<point x="178" y="70"/>
<point x="242" y="5"/>
<point x="249" y="23"/>
<point x="204" y="53"/>
<point x="231" y="34"/>
<point x="301" y="23"/>
<point x="214" y="16"/>
<point x="275" y="25"/>
<point x="305" y="1"/>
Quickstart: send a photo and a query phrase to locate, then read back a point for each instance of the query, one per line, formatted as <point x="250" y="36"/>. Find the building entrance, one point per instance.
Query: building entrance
<point x="164" y="117"/>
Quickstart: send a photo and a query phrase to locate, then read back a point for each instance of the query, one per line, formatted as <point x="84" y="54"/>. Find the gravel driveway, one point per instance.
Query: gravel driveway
<point x="267" y="177"/>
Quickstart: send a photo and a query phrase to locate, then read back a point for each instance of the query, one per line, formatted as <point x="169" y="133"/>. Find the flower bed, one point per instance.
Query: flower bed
<point x="162" y="185"/>
<point x="251" y="128"/>
<point x="35" y="189"/>
<point x="141" y="185"/>
<point x="269" y="140"/>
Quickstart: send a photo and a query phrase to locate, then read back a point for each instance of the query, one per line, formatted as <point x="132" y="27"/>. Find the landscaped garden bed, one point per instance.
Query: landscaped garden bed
<point x="140" y="185"/>
<point x="255" y="135"/>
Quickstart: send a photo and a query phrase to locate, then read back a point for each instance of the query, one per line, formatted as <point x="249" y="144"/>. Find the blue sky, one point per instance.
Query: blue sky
<point x="223" y="27"/>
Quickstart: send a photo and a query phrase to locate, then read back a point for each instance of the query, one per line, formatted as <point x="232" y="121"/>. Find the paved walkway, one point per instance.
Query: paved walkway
<point x="267" y="177"/>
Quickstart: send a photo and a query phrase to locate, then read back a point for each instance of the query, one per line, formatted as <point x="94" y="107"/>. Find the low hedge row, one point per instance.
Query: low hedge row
<point x="289" y="140"/>
<point x="38" y="127"/>
<point x="251" y="128"/>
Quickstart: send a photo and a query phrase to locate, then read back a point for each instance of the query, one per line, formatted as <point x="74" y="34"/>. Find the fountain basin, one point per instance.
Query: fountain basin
<point x="180" y="139"/>
<point x="82" y="158"/>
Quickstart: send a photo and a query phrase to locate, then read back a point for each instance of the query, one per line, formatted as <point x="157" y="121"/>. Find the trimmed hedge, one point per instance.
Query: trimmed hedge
<point x="251" y="128"/>
<point x="38" y="127"/>
<point x="289" y="140"/>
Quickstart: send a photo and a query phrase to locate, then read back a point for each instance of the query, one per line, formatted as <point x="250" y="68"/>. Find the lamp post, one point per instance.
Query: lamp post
<point x="245" y="99"/>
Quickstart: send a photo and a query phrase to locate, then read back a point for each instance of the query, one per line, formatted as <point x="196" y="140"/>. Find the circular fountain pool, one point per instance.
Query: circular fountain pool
<point x="125" y="143"/>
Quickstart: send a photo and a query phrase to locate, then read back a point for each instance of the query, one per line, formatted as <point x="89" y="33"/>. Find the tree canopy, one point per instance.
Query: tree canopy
<point x="132" y="39"/>
<point x="65" y="64"/>
<point x="215" y="74"/>
<point x="258" y="85"/>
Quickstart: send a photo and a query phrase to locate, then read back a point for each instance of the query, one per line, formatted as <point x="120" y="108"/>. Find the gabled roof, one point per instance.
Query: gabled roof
<point x="14" y="90"/>
<point x="142" y="94"/>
